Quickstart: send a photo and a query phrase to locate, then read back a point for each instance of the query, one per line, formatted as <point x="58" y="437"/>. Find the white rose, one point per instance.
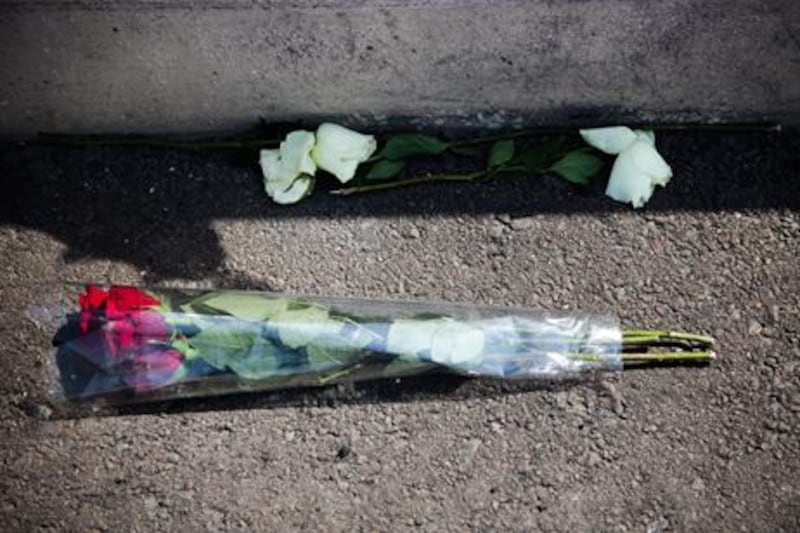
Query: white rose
<point x="339" y="150"/>
<point x="611" y="140"/>
<point x="288" y="192"/>
<point x="449" y="342"/>
<point x="456" y="343"/>
<point x="288" y="171"/>
<point x="409" y="337"/>
<point x="638" y="168"/>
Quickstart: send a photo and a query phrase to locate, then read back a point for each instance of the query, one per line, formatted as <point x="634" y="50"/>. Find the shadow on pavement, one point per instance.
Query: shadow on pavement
<point x="432" y="387"/>
<point x="154" y="208"/>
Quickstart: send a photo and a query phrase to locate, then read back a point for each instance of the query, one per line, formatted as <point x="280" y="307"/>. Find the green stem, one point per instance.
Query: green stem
<point x="658" y="357"/>
<point x="667" y="335"/>
<point x="410" y="181"/>
<point x="324" y="380"/>
<point x="429" y="178"/>
<point x="70" y="140"/>
<point x="743" y="127"/>
<point x="67" y="140"/>
<point x="653" y="357"/>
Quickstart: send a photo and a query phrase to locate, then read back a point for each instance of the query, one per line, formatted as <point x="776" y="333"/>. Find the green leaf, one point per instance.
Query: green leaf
<point x="183" y="346"/>
<point x="332" y="351"/>
<point x="469" y="150"/>
<point x="198" y="307"/>
<point x="577" y="167"/>
<point x="385" y="169"/>
<point x="197" y="304"/>
<point x="247" y="306"/>
<point x="405" y="367"/>
<point x="408" y="145"/>
<point x="165" y="300"/>
<point x="501" y="153"/>
<point x="238" y="346"/>
<point x="535" y="158"/>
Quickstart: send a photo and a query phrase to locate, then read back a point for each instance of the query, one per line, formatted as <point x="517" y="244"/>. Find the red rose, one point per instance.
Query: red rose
<point x="122" y="299"/>
<point x="121" y="331"/>
<point x="153" y="367"/>
<point x="93" y="299"/>
<point x="92" y="304"/>
<point x="122" y="313"/>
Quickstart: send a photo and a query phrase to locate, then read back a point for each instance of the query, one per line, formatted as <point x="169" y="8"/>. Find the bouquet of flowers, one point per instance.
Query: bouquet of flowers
<point x="121" y="344"/>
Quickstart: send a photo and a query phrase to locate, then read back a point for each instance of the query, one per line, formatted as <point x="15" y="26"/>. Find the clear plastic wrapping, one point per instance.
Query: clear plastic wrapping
<point x="123" y="344"/>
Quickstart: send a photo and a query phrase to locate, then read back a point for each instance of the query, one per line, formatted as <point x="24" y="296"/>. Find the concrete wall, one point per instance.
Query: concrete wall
<point x="172" y="65"/>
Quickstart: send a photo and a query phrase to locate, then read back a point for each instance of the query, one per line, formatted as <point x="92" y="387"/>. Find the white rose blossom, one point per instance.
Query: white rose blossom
<point x="339" y="150"/>
<point x="289" y="170"/>
<point x="449" y="342"/>
<point x="638" y="167"/>
<point x="456" y="343"/>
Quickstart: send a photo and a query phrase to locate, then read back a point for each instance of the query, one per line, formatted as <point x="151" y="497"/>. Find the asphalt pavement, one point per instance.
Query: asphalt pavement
<point x="664" y="449"/>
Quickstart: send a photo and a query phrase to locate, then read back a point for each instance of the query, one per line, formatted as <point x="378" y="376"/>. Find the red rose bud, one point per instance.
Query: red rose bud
<point x="133" y="331"/>
<point x="94" y="298"/>
<point x="120" y="337"/>
<point x="153" y="367"/>
<point x="122" y="299"/>
<point x="127" y="325"/>
<point x="148" y="325"/>
<point x="91" y="304"/>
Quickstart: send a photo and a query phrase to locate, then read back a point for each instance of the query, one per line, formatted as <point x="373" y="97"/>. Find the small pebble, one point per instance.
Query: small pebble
<point x="412" y="233"/>
<point x="344" y="450"/>
<point x="43" y="412"/>
<point x="754" y="328"/>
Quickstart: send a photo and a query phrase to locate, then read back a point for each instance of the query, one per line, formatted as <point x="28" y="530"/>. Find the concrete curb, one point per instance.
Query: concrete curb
<point x="176" y="66"/>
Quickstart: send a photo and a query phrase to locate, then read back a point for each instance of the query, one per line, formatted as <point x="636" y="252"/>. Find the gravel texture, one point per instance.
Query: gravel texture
<point x="665" y="449"/>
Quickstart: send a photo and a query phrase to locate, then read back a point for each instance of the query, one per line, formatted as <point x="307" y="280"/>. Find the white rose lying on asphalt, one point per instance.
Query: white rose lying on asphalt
<point x="288" y="171"/>
<point x="339" y="150"/>
<point x="638" y="167"/>
<point x="611" y="140"/>
<point x="284" y="192"/>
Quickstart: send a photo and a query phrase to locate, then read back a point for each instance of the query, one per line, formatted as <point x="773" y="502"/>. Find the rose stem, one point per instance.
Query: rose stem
<point x="755" y="127"/>
<point x="429" y="178"/>
<point x="657" y="357"/>
<point x="654" y="357"/>
<point x="744" y="127"/>
<point x="339" y="373"/>
<point x="157" y="143"/>
<point x="666" y="335"/>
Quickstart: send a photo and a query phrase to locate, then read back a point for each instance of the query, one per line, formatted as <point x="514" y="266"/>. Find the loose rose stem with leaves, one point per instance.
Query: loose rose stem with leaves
<point x="505" y="156"/>
<point x="290" y="169"/>
<point x="426" y="178"/>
